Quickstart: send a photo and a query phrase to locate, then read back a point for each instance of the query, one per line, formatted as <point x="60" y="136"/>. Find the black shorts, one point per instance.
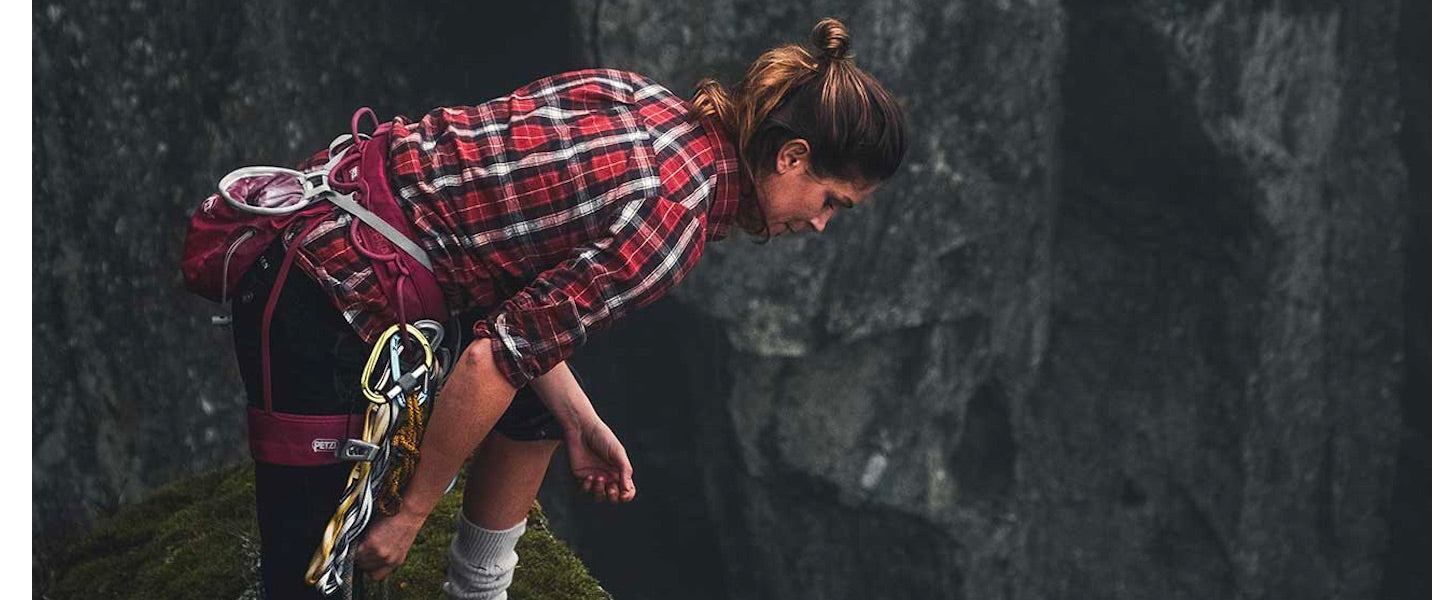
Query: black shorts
<point x="317" y="358"/>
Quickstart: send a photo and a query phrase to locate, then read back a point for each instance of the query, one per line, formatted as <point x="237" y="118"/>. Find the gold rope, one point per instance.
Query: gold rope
<point x="404" y="459"/>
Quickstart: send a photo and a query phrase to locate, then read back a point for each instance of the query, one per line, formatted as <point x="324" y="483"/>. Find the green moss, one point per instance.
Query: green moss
<point x="547" y="568"/>
<point x="197" y="538"/>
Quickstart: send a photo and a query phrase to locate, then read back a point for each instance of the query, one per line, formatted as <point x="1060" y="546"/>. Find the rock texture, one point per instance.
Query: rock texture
<point x="1143" y="316"/>
<point x="139" y="108"/>
<point x="1130" y="323"/>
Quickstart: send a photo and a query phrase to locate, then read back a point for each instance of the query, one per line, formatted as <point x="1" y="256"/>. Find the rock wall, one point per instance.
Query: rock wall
<point x="1131" y="323"/>
<point x="139" y="107"/>
<point x="1230" y="246"/>
<point x="1144" y="314"/>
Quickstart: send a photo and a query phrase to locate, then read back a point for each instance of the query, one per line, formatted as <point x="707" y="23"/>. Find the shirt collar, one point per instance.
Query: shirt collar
<point x="730" y="182"/>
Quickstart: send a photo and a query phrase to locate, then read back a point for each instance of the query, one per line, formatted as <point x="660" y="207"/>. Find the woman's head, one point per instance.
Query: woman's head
<point x="816" y="134"/>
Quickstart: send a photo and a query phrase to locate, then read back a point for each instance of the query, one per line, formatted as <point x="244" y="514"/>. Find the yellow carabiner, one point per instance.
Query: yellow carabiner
<point x="375" y="396"/>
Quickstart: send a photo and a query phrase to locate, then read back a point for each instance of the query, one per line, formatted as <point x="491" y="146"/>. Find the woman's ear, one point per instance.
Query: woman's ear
<point x="794" y="154"/>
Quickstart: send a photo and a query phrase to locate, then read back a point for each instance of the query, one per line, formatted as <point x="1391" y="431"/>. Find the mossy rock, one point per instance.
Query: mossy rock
<point x="197" y="538"/>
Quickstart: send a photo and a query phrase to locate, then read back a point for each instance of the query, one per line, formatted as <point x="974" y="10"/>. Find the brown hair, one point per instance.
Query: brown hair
<point x="855" y="128"/>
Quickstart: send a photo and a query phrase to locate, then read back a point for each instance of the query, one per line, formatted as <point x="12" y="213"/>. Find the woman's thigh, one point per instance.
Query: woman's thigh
<point x="504" y="478"/>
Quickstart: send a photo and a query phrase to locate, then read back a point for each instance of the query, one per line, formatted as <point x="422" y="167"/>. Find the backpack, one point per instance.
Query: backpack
<point x="223" y="239"/>
<point x="252" y="207"/>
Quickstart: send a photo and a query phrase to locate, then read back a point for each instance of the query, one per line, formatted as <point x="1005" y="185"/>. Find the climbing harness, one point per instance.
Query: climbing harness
<point x="256" y="205"/>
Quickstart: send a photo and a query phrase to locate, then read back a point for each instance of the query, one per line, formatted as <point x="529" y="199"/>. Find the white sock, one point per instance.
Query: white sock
<point x="481" y="561"/>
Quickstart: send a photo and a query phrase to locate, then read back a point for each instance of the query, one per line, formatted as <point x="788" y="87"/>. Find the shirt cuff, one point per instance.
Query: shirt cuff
<point x="526" y="343"/>
<point x="506" y="354"/>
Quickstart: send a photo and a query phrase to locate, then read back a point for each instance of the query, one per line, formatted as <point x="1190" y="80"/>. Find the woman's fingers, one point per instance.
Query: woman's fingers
<point x="594" y="486"/>
<point x="621" y="460"/>
<point x="607" y="489"/>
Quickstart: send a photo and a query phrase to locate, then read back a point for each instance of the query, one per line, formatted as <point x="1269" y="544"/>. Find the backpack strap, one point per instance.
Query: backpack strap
<point x="342" y="176"/>
<point x="272" y="306"/>
<point x="378" y="224"/>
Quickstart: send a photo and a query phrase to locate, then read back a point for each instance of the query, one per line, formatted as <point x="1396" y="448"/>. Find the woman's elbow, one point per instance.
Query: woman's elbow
<point x="478" y="365"/>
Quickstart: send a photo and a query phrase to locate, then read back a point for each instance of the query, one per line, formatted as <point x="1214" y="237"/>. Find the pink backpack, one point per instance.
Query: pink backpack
<point x="224" y="240"/>
<point x="254" y="205"/>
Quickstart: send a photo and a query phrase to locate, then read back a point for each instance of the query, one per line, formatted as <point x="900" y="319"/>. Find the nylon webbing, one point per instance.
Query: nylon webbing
<point x="381" y="226"/>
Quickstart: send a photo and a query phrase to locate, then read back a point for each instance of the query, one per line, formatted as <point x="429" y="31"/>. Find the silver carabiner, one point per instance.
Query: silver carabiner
<point x="442" y="357"/>
<point x="398" y="392"/>
<point x="395" y="356"/>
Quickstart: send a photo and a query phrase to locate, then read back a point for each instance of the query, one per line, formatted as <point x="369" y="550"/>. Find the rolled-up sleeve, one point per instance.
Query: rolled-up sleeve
<point x="650" y="246"/>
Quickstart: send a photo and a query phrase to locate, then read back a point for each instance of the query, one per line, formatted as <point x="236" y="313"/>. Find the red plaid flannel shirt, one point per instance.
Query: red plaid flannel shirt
<point x="558" y="209"/>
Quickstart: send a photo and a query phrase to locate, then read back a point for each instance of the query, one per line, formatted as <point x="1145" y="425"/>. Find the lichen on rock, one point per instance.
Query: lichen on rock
<point x="197" y="538"/>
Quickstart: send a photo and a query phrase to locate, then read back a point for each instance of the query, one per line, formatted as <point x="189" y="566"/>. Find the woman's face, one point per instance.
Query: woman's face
<point x="794" y="200"/>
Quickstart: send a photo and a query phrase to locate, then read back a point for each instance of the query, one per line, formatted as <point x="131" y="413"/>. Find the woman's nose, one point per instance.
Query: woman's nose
<point x="819" y="223"/>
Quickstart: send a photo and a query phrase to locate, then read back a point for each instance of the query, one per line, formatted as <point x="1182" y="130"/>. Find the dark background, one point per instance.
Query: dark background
<point x="1145" y="314"/>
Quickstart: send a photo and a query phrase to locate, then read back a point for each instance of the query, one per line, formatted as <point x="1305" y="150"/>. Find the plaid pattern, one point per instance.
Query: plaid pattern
<point x="559" y="209"/>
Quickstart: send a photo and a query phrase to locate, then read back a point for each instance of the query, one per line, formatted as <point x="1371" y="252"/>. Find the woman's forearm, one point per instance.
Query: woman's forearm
<point x="469" y="405"/>
<point x="561" y="394"/>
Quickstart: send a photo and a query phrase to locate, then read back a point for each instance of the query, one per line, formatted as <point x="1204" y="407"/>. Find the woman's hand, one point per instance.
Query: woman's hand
<point x="596" y="457"/>
<point x="599" y="462"/>
<point x="385" y="545"/>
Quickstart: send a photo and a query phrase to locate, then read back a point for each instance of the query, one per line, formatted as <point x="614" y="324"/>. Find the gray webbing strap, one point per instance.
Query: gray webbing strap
<point x="378" y="224"/>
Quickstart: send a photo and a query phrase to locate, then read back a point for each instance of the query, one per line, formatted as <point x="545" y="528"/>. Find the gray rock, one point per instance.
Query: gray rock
<point x="1129" y="323"/>
<point x="139" y="108"/>
<point x="1142" y="316"/>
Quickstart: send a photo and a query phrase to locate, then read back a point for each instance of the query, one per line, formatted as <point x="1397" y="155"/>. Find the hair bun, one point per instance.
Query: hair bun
<point x="831" y="38"/>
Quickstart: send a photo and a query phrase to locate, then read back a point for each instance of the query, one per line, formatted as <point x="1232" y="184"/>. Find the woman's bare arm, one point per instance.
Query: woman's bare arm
<point x="561" y="394"/>
<point x="472" y="401"/>
<point x="596" y="458"/>
<point x="469" y="405"/>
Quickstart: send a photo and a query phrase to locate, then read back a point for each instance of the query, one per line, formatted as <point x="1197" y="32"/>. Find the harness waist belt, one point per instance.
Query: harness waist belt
<point x="299" y="440"/>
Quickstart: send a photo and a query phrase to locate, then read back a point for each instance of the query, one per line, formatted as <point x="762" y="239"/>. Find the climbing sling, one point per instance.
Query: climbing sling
<point x="256" y="205"/>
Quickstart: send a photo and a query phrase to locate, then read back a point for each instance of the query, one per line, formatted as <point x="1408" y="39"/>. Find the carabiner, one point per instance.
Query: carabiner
<point x="392" y="333"/>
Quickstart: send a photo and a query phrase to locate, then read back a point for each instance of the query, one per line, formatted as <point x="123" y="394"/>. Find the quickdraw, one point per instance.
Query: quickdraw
<point x="398" y="397"/>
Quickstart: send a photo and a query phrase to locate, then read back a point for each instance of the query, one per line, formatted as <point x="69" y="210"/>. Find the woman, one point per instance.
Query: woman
<point x="548" y="214"/>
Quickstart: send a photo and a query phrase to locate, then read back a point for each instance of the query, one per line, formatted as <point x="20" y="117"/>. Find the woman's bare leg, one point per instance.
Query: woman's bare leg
<point x="502" y="482"/>
<point x="504" y="479"/>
